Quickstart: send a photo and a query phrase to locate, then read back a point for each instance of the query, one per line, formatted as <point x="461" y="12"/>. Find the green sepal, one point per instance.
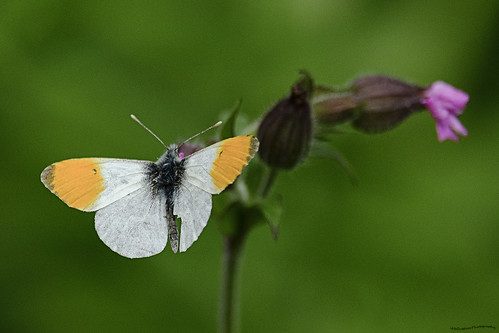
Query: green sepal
<point x="307" y="82"/>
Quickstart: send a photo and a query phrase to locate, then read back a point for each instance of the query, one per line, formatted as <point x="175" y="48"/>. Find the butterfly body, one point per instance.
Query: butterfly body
<point x="137" y="202"/>
<point x="166" y="174"/>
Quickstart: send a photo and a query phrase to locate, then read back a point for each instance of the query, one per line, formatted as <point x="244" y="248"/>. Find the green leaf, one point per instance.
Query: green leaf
<point x="319" y="149"/>
<point x="252" y="175"/>
<point x="272" y="208"/>
<point x="228" y="127"/>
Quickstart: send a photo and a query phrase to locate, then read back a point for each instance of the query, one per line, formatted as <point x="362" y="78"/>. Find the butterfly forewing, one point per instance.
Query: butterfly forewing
<point x="217" y="166"/>
<point x="90" y="184"/>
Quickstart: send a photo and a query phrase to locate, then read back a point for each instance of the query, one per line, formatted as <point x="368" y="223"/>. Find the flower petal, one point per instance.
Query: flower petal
<point x="449" y="94"/>
<point x="444" y="132"/>
<point x="445" y="103"/>
<point x="457" y="127"/>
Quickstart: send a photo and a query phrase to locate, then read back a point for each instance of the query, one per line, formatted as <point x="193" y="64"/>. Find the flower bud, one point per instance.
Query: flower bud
<point x="384" y="102"/>
<point x="378" y="103"/>
<point x="286" y="130"/>
<point x="373" y="103"/>
<point x="335" y="109"/>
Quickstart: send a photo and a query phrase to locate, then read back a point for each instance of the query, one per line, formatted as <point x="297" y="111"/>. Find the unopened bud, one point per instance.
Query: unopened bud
<point x="373" y="104"/>
<point x="335" y="109"/>
<point x="286" y="130"/>
<point x="384" y="102"/>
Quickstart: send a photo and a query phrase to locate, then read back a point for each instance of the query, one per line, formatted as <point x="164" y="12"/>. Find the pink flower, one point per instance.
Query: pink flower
<point x="446" y="103"/>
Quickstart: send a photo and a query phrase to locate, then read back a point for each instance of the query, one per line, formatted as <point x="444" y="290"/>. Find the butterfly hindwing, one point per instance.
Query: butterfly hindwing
<point x="134" y="226"/>
<point x="193" y="206"/>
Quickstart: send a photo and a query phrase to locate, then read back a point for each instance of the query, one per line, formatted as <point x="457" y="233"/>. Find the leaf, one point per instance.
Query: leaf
<point x="321" y="150"/>
<point x="228" y="127"/>
<point x="272" y="208"/>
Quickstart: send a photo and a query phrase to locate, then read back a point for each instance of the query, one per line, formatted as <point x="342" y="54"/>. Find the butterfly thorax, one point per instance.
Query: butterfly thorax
<point x="165" y="175"/>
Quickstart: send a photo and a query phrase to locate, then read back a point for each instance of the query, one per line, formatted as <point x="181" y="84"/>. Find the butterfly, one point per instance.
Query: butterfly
<point x="137" y="202"/>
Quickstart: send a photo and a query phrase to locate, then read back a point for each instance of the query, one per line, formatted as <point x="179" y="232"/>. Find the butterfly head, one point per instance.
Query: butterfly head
<point x="171" y="155"/>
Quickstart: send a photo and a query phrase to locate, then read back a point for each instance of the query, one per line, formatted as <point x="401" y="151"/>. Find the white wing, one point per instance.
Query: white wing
<point x="217" y="166"/>
<point x="193" y="206"/>
<point x="90" y="184"/>
<point x="121" y="177"/>
<point x="134" y="226"/>
<point x="198" y="167"/>
<point x="209" y="171"/>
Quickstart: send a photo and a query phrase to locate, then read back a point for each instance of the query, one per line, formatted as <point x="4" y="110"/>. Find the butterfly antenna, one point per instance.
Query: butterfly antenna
<point x="209" y="128"/>
<point x="147" y="129"/>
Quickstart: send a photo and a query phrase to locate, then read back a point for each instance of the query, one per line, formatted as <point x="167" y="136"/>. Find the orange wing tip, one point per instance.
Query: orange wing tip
<point x="47" y="177"/>
<point x="232" y="156"/>
<point x="254" y="145"/>
<point x="77" y="182"/>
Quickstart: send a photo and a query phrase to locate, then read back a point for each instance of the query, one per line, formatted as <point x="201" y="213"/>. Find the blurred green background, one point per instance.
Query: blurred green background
<point x="412" y="247"/>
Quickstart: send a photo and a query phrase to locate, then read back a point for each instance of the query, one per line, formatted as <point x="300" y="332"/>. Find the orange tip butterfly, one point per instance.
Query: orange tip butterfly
<point x="137" y="202"/>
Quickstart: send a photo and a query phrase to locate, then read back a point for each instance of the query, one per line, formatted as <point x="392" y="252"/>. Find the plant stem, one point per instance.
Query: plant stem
<point x="231" y="267"/>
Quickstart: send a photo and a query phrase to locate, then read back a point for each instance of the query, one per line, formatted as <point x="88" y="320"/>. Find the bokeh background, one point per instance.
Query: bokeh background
<point x="413" y="247"/>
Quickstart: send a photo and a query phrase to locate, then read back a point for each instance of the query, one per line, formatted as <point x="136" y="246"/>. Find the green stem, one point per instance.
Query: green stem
<point x="231" y="268"/>
<point x="242" y="222"/>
